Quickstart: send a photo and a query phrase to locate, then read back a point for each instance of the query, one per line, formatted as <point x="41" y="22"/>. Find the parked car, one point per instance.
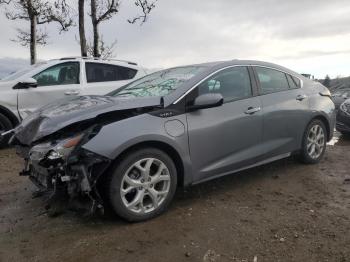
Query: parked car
<point x="176" y="127"/>
<point x="343" y="118"/>
<point x="340" y="96"/>
<point x="25" y="91"/>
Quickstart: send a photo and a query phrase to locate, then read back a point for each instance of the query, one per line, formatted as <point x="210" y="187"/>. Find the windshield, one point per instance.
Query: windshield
<point x="160" y="83"/>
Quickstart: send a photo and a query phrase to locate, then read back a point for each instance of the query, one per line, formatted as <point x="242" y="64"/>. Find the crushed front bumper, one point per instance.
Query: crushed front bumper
<point x="72" y="178"/>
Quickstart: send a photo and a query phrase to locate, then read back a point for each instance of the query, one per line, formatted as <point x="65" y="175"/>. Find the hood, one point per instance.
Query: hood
<point x="7" y="84"/>
<point x="65" y="112"/>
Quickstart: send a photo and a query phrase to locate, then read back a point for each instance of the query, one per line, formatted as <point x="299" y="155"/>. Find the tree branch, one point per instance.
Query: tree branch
<point x="146" y="8"/>
<point x="60" y="12"/>
<point x="106" y="51"/>
<point x="23" y="38"/>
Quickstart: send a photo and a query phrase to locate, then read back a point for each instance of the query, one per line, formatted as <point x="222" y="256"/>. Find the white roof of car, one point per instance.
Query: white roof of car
<point x="97" y="59"/>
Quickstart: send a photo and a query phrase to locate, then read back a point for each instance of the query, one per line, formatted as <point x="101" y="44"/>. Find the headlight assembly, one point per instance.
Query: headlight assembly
<point x="64" y="147"/>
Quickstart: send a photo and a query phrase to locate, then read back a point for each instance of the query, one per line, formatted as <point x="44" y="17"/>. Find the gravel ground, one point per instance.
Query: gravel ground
<point x="283" y="211"/>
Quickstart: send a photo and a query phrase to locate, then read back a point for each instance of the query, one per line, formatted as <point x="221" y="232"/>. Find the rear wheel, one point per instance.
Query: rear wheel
<point x="142" y="184"/>
<point x="314" y="142"/>
<point x="5" y="125"/>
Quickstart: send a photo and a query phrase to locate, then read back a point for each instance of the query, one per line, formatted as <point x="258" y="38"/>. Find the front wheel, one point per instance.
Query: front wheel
<point x="142" y="184"/>
<point x="314" y="142"/>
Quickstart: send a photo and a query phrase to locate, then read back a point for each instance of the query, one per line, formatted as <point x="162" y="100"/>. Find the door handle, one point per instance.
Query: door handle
<point x="71" y="92"/>
<point x="252" y="110"/>
<point x="301" y="97"/>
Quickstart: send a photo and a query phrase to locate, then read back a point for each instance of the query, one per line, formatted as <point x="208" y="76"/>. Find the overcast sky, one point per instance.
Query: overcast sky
<point x="308" y="36"/>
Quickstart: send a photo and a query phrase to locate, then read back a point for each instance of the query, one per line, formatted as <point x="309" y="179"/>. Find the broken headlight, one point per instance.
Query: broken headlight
<point x="64" y="147"/>
<point x="345" y="107"/>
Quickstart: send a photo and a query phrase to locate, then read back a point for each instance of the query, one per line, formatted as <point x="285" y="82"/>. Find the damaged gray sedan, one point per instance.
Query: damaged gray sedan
<point x="132" y="148"/>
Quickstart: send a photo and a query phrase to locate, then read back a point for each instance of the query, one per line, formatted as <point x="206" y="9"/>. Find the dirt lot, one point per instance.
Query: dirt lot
<point x="283" y="211"/>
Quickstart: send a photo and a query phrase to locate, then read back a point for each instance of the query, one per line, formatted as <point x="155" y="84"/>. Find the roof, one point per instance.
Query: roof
<point x="96" y="59"/>
<point x="222" y="64"/>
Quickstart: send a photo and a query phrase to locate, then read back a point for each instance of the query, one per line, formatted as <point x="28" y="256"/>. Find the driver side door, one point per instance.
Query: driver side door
<point x="55" y="82"/>
<point x="226" y="138"/>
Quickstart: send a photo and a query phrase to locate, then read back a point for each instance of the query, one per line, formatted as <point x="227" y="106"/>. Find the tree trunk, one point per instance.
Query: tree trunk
<point x="96" y="41"/>
<point x="32" y="39"/>
<point x="95" y="28"/>
<point x="83" y="49"/>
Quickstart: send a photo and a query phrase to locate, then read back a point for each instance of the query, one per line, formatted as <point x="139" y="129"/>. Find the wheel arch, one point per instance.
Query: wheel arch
<point x="11" y="116"/>
<point x="165" y="147"/>
<point x="325" y="122"/>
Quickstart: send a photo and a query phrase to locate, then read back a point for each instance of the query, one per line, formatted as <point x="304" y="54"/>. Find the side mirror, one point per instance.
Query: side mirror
<point x="27" y="83"/>
<point x="207" y="101"/>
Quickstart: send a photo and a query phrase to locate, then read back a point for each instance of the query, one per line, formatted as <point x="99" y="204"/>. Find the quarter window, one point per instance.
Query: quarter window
<point x="97" y="72"/>
<point x="61" y="74"/>
<point x="271" y="80"/>
<point x="294" y="82"/>
<point x="232" y="83"/>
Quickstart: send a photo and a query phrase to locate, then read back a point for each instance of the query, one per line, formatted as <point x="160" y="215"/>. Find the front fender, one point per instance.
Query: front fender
<point x="113" y="139"/>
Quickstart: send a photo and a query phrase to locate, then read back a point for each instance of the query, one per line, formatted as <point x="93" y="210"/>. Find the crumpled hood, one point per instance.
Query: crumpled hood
<point x="62" y="113"/>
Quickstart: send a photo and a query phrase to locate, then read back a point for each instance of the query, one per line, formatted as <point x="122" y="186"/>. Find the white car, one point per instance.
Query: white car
<point x="23" y="92"/>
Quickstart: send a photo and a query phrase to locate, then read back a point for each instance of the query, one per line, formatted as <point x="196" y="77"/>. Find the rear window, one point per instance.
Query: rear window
<point x="271" y="80"/>
<point x="98" y="72"/>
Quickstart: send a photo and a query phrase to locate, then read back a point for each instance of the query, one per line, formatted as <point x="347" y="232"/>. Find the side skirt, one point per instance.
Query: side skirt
<point x="266" y="161"/>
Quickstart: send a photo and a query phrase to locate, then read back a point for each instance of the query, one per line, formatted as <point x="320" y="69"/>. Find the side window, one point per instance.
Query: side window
<point x="271" y="80"/>
<point x="97" y="72"/>
<point x="294" y="82"/>
<point x="61" y="74"/>
<point x="232" y="83"/>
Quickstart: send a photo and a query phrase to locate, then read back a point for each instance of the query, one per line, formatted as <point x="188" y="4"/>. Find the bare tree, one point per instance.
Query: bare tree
<point x="82" y="37"/>
<point x="103" y="10"/>
<point x="37" y="12"/>
<point x="105" y="51"/>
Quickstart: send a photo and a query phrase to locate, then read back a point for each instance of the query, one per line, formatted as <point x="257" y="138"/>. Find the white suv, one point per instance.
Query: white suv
<point x="24" y="91"/>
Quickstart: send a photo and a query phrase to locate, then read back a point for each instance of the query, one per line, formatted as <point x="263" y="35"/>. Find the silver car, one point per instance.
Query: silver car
<point x="132" y="148"/>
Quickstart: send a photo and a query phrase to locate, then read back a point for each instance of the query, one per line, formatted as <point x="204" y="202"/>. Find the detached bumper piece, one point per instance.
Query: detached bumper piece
<point x="70" y="183"/>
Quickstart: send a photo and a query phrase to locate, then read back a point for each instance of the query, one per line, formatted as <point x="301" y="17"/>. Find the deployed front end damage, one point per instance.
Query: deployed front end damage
<point x="65" y="171"/>
<point x="58" y="164"/>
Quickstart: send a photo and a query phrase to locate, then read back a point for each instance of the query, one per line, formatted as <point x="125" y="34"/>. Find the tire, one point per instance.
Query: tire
<point x="308" y="147"/>
<point x="5" y="125"/>
<point x="130" y="185"/>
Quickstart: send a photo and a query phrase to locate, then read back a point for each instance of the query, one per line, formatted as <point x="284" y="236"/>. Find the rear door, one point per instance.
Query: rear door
<point x="102" y="78"/>
<point x="285" y="104"/>
<point x="228" y="137"/>
<point x="55" y="82"/>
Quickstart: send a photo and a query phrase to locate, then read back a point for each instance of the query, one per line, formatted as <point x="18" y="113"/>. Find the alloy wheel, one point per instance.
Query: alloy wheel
<point x="315" y="141"/>
<point x="145" y="185"/>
